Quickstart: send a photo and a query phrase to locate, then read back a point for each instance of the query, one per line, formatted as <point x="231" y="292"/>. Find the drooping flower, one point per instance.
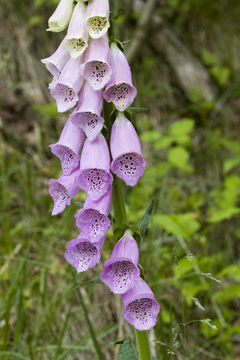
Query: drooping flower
<point x="87" y="115"/>
<point x="97" y="18"/>
<point x="95" y="177"/>
<point x="121" y="269"/>
<point x="63" y="190"/>
<point x="69" y="83"/>
<point x="128" y="163"/>
<point x="61" y="16"/>
<point x="140" y="307"/>
<point x="93" y="219"/>
<point x="96" y="68"/>
<point x="68" y="146"/>
<point x="77" y="37"/>
<point x="56" y="62"/>
<point x="82" y="253"/>
<point x="119" y="89"/>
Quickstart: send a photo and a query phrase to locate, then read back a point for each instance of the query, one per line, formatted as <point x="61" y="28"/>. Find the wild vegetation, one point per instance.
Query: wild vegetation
<point x="186" y="70"/>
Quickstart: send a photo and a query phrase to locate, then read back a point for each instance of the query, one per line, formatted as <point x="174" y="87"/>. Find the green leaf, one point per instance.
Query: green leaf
<point x="151" y="136"/>
<point x="127" y="352"/>
<point x="182" y="127"/>
<point x="209" y="58"/>
<point x="221" y="74"/>
<point x="178" y="157"/>
<point x="138" y="110"/>
<point x="223" y="214"/>
<point x="184" y="225"/>
<point x="145" y="220"/>
<point x="230" y="164"/>
<point x="227" y="294"/>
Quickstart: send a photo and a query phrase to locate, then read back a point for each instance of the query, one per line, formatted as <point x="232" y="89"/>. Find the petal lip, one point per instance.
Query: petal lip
<point x="119" y="103"/>
<point x="129" y="180"/>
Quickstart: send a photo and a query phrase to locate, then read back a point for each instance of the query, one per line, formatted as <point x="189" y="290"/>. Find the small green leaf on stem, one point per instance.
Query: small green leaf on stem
<point x="127" y="352"/>
<point x="145" y="220"/>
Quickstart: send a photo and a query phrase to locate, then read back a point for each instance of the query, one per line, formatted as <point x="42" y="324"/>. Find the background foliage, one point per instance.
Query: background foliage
<point x="190" y="137"/>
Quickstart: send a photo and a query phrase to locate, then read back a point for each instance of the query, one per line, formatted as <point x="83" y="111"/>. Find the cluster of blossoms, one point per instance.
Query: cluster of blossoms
<point x="85" y="71"/>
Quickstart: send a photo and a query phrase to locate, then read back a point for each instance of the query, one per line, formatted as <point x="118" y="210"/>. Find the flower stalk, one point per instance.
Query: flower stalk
<point x="120" y="214"/>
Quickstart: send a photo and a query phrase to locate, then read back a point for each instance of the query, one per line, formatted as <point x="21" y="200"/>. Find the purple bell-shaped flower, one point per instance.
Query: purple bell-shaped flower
<point x="128" y="163"/>
<point x="140" y="307"/>
<point x="93" y="219"/>
<point x="120" y="89"/>
<point x="87" y="115"/>
<point x="95" y="177"/>
<point x="121" y="269"/>
<point x="68" y="147"/>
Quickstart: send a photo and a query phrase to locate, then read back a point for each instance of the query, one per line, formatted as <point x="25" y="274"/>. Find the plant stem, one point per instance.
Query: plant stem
<point x="90" y="326"/>
<point x="118" y="203"/>
<point x="121" y="219"/>
<point x="143" y="345"/>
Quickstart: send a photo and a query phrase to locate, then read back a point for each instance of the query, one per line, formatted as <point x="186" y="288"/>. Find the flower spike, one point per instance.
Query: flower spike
<point x="121" y="269"/>
<point x="93" y="218"/>
<point x="95" y="177"/>
<point x="68" y="146"/>
<point x="128" y="163"/>
<point x="96" y="68"/>
<point x="61" y="16"/>
<point x="97" y="18"/>
<point x="87" y="115"/>
<point x="119" y="89"/>
<point x="77" y="37"/>
<point x="70" y="81"/>
<point x="140" y="307"/>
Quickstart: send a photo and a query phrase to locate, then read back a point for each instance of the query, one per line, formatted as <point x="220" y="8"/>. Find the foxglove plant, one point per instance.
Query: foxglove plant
<point x="81" y="68"/>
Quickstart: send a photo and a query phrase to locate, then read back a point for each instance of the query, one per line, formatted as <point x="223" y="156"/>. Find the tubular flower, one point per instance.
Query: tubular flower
<point x="61" y="16"/>
<point x="63" y="190"/>
<point x="121" y="269"/>
<point x="128" y="163"/>
<point x="82" y="253"/>
<point x="77" y="37"/>
<point x="140" y="307"/>
<point x="95" y="177"/>
<point x="93" y="218"/>
<point x="96" y="68"/>
<point x="97" y="18"/>
<point x="68" y="146"/>
<point x="119" y="89"/>
<point x="69" y="83"/>
<point x="87" y="115"/>
<point x="56" y="62"/>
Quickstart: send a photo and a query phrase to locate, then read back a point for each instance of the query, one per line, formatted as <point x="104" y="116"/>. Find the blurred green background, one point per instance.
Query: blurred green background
<point x="186" y="69"/>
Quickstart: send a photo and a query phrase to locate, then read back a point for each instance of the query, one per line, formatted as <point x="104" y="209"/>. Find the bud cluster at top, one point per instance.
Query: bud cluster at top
<point x="85" y="72"/>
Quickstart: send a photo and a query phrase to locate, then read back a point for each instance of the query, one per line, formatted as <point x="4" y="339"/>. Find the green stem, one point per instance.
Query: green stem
<point x="90" y="326"/>
<point x="143" y="345"/>
<point x="118" y="203"/>
<point x="120" y="213"/>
